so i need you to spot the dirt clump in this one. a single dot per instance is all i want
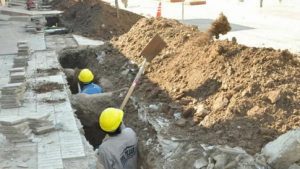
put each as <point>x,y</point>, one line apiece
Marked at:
<point>47,87</point>
<point>235,84</point>
<point>219,26</point>
<point>100,22</point>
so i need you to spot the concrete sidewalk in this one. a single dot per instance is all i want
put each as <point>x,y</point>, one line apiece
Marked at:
<point>61,147</point>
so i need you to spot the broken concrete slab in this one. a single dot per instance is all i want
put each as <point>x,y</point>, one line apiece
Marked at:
<point>83,41</point>
<point>294,166</point>
<point>284,151</point>
<point>181,122</point>
<point>202,162</point>
<point>221,160</point>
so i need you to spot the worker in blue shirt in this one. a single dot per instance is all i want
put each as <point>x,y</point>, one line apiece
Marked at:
<point>86,78</point>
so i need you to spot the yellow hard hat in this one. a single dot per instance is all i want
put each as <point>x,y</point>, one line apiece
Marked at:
<point>85,76</point>
<point>110,119</point>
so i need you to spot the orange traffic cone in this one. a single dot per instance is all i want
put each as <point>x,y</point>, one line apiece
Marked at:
<point>158,13</point>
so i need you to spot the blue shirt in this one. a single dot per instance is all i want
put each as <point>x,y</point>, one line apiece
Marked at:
<point>91,88</point>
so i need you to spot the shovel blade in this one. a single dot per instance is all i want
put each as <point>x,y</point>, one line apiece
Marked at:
<point>153,48</point>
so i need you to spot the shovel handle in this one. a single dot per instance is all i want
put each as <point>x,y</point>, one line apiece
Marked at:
<point>134,83</point>
<point>79,88</point>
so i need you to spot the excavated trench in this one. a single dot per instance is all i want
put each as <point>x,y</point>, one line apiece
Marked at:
<point>72,60</point>
<point>53,21</point>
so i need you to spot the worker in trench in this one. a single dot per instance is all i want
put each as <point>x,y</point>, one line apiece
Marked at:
<point>86,84</point>
<point>119,148</point>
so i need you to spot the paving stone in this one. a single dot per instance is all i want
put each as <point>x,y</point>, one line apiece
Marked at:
<point>11,120</point>
<point>43,129</point>
<point>71,144</point>
<point>58,78</point>
<point>12,95</point>
<point>70,138</point>
<point>18,132</point>
<point>12,85</point>
<point>49,155</point>
<point>17,77</point>
<point>19,69</point>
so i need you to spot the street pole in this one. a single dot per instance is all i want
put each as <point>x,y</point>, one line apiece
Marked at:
<point>117,6</point>
<point>182,14</point>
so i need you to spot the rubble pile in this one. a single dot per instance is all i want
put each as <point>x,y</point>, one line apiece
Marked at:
<point>227,158</point>
<point>236,95</point>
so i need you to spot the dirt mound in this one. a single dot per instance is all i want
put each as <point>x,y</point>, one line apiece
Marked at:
<point>237,95</point>
<point>100,22</point>
<point>63,4</point>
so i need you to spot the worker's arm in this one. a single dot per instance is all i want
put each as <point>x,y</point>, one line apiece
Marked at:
<point>104,159</point>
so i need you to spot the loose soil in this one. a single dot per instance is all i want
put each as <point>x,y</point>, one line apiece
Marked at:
<point>231,94</point>
<point>47,87</point>
<point>48,72</point>
<point>94,18</point>
<point>250,95</point>
<point>54,101</point>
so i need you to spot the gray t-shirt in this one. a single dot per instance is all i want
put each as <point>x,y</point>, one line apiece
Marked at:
<point>119,152</point>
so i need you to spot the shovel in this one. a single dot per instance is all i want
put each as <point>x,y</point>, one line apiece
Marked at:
<point>150,51</point>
